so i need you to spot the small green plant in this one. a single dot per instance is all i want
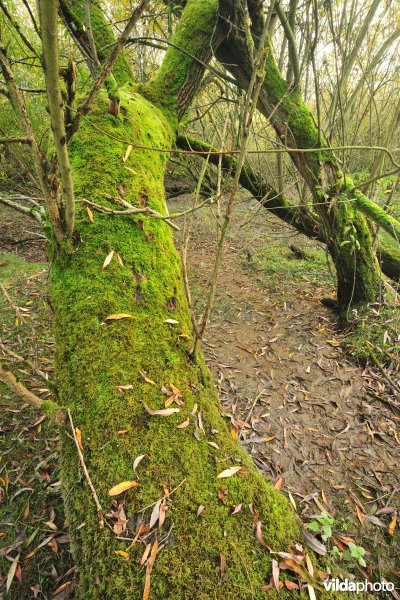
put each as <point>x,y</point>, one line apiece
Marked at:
<point>322,525</point>
<point>356,552</point>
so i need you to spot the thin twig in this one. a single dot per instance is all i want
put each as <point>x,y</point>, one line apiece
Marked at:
<point>130,211</point>
<point>393,384</point>
<point>86,472</point>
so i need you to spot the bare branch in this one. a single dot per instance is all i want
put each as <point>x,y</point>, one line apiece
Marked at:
<point>49,30</point>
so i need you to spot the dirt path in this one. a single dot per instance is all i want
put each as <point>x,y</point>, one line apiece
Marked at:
<point>302,409</point>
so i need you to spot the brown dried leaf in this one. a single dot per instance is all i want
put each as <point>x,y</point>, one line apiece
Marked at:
<point>222,565</point>
<point>149,568</point>
<point>236,509</point>
<point>313,543</point>
<point>200,509</point>
<point>221,495</point>
<point>145,555</point>
<point>278,484</point>
<point>122,487</point>
<point>183,424</point>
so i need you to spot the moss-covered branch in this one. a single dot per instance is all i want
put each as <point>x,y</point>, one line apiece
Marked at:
<point>199,33</point>
<point>374,212</point>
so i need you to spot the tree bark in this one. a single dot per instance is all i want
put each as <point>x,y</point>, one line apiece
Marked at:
<point>95,355</point>
<point>128,324</point>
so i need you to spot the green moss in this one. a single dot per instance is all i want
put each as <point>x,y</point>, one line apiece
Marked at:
<point>94,356</point>
<point>195,32</point>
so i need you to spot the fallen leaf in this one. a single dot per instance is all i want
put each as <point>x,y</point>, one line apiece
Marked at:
<point>122,554</point>
<point>147,379</point>
<point>165,412</point>
<point>275,574</point>
<point>11,572</point>
<point>291,585</point>
<point>119,316</point>
<point>124,387</point>
<point>183,424</point>
<point>214,445</point>
<point>122,431</point>
<point>127,153</point>
<point>78,434</point>
<point>137,461</point>
<point>171,321</point>
<point>229,472</point>
<point>278,484</point>
<point>359,515</point>
<point>222,565</point>
<point>200,509</point>
<point>155,514</point>
<point>121,262</point>
<point>90,214</point>
<point>221,495</point>
<point>313,543</point>
<point>392,526</point>
<point>108,259</point>
<point>122,487</point>
<point>149,568</point>
<point>145,555</point>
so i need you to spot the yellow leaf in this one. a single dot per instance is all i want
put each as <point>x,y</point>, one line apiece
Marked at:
<point>392,526</point>
<point>78,434</point>
<point>147,379</point>
<point>122,431</point>
<point>122,553</point>
<point>90,214</point>
<point>122,487</point>
<point>229,472</point>
<point>333,342</point>
<point>119,316</point>
<point>127,153</point>
<point>131,170</point>
<point>359,515</point>
<point>108,259</point>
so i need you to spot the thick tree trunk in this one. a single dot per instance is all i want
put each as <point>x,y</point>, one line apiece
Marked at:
<point>96,354</point>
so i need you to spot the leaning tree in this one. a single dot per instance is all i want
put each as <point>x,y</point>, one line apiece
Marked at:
<point>121,321</point>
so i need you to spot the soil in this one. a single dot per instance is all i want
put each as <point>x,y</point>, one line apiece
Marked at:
<point>314,422</point>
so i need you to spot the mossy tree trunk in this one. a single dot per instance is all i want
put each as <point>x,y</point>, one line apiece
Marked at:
<point>345,229</point>
<point>95,354</point>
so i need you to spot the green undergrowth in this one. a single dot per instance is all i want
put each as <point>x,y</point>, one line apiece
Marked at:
<point>281,266</point>
<point>97,353</point>
<point>12,268</point>
<point>376,333</point>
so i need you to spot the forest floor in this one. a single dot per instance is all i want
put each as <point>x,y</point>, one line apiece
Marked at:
<point>323,429</point>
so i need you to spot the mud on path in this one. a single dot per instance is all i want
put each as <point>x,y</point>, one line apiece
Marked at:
<point>310,418</point>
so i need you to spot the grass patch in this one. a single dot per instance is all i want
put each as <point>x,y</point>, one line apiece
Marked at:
<point>281,265</point>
